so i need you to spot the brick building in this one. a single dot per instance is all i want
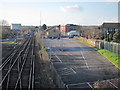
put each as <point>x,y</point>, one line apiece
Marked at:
<point>69,27</point>
<point>109,28</point>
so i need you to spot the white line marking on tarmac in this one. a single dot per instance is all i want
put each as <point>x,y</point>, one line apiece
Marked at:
<point>58,58</point>
<point>73,70</point>
<point>85,60</point>
<point>113,85</point>
<point>90,85</point>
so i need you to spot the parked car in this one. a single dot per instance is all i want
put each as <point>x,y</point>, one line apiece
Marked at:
<point>72,34</point>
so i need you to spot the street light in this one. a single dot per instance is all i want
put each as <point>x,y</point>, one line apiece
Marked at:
<point>107,36</point>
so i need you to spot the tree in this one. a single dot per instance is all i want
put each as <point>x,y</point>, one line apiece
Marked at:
<point>110,37</point>
<point>5,31</point>
<point>44,26</point>
<point>36,27</point>
<point>3,23</point>
<point>116,36</point>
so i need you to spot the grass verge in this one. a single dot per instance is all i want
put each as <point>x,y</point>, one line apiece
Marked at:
<point>44,53</point>
<point>112,57</point>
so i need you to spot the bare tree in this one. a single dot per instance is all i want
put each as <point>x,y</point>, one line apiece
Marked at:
<point>4,29</point>
<point>4,23</point>
<point>90,33</point>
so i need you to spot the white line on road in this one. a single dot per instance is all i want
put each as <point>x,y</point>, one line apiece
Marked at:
<point>85,60</point>
<point>113,85</point>
<point>58,58</point>
<point>90,85</point>
<point>73,70</point>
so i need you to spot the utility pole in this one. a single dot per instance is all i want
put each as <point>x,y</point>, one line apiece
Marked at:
<point>40,27</point>
<point>40,22</point>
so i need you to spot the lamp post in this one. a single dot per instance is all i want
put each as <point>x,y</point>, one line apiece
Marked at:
<point>107,36</point>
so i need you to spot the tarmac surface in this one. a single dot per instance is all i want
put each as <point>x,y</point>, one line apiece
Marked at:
<point>77,63</point>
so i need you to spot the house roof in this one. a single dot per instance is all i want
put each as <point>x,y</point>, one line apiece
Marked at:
<point>49,29</point>
<point>110,25</point>
<point>52,28</point>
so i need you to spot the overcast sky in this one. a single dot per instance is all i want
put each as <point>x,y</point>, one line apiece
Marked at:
<point>27,12</point>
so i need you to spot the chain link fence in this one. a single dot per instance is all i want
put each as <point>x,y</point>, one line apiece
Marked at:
<point>112,47</point>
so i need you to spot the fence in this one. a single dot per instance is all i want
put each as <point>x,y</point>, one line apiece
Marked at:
<point>113,47</point>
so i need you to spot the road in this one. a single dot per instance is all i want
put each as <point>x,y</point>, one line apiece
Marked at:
<point>78,63</point>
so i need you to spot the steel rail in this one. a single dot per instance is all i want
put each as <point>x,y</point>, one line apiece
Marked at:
<point>12,53</point>
<point>10,69</point>
<point>22,67</point>
<point>33,72</point>
<point>33,65</point>
<point>19,71</point>
<point>8,76</point>
<point>12,65</point>
<point>11,56</point>
<point>31,75</point>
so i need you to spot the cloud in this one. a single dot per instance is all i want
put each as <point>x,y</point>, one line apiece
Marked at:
<point>112,0</point>
<point>71,9</point>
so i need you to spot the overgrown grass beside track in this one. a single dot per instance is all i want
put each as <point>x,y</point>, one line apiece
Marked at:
<point>45,70</point>
<point>112,57</point>
<point>44,53</point>
<point>9,42</point>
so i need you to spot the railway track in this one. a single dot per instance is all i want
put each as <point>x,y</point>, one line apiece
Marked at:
<point>18,69</point>
<point>14,48</point>
<point>7,59</point>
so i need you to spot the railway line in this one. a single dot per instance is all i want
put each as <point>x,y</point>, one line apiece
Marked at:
<point>12,48</point>
<point>18,69</point>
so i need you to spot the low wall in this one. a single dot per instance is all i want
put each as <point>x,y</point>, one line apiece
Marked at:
<point>56,78</point>
<point>90,41</point>
<point>54,75</point>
